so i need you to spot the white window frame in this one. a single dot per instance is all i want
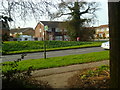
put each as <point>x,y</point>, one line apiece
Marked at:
<point>102,29</point>
<point>40,30</point>
<point>59,38</point>
<point>58,30</point>
<point>107,29</point>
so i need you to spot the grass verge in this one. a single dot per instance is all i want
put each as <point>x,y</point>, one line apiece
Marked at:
<point>60,61</point>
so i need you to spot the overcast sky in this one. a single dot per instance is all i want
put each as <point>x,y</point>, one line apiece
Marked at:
<point>102,17</point>
<point>103,14</point>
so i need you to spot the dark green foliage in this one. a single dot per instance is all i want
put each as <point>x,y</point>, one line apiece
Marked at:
<point>52,44</point>
<point>24,45</point>
<point>14,78</point>
<point>5,37</point>
<point>12,68</point>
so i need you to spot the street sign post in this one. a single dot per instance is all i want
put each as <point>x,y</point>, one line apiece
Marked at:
<point>45,29</point>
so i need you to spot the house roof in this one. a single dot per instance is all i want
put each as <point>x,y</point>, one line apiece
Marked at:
<point>18,30</point>
<point>89,27</point>
<point>52,24</point>
<point>55,24</point>
<point>102,26</point>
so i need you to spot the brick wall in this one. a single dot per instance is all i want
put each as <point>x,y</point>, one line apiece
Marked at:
<point>39,30</point>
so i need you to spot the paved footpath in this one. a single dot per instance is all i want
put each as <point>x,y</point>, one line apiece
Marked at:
<point>45,72</point>
<point>57,77</point>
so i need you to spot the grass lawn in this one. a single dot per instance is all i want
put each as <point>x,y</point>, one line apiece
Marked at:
<point>60,61</point>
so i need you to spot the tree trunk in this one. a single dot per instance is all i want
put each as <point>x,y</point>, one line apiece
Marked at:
<point>114,25</point>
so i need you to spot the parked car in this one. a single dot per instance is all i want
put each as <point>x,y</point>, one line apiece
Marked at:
<point>106,45</point>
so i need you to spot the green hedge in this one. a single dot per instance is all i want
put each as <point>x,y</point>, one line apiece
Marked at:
<point>33,46</point>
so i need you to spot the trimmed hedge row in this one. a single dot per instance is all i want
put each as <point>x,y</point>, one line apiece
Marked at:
<point>31,46</point>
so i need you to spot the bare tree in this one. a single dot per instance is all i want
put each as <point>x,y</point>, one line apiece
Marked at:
<point>25,9</point>
<point>77,14</point>
<point>69,8</point>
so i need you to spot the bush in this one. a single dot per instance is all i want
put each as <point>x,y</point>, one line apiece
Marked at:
<point>14,78</point>
<point>32,46</point>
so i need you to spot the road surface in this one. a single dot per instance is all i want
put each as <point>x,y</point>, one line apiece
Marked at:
<point>52,53</point>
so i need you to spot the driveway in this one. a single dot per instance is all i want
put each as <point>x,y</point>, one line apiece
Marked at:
<point>52,53</point>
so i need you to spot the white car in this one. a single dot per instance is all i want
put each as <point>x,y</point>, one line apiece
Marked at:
<point>106,45</point>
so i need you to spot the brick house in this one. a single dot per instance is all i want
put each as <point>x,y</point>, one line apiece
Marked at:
<point>39,31</point>
<point>4,31</point>
<point>102,32</point>
<point>22,31</point>
<point>22,34</point>
<point>55,32</point>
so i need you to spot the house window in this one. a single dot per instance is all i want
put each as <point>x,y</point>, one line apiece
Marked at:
<point>50,37</point>
<point>107,29</point>
<point>57,30</point>
<point>20,33</point>
<point>53,29</point>
<point>40,30</point>
<point>10,34</point>
<point>15,33</point>
<point>59,38</point>
<point>98,30</point>
<point>102,29</point>
<point>14,39</point>
<point>66,38</point>
<point>107,35</point>
<point>100,35</point>
<point>65,30</point>
<point>49,29</point>
<point>43,33</point>
<point>36,39</point>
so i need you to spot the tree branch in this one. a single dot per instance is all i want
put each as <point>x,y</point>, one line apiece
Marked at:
<point>66,14</point>
<point>59,15</point>
<point>70,8</point>
<point>86,11</point>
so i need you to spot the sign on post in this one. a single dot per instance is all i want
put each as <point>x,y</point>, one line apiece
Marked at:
<point>45,27</point>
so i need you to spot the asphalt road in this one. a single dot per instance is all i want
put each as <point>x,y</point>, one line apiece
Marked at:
<point>51,53</point>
